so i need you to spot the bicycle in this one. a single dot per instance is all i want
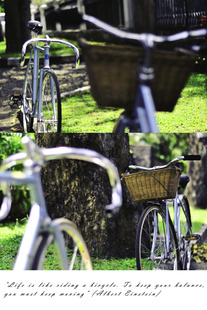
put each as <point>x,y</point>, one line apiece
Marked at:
<point>41,231</point>
<point>127,85</point>
<point>162,243</point>
<point>40,98</point>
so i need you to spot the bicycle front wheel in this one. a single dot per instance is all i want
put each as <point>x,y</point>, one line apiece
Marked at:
<point>155,248</point>
<point>50,256</point>
<point>50,104</point>
<point>27,105</point>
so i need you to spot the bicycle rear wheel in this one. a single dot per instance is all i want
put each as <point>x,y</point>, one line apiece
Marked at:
<point>184,232</point>
<point>51,104</point>
<point>48,256</point>
<point>151,241</point>
<point>27,104</point>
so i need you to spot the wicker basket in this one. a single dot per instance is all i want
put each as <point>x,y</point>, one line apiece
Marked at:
<point>112,71</point>
<point>153,184</point>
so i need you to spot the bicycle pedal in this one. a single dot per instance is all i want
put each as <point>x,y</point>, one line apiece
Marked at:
<point>192,237</point>
<point>15,99</point>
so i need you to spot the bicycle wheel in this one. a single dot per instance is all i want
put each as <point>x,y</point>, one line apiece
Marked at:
<point>51,104</point>
<point>27,104</point>
<point>184,232</point>
<point>124,123</point>
<point>47,255</point>
<point>151,246</point>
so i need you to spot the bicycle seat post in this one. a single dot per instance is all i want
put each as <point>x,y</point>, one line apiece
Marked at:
<point>47,55</point>
<point>144,107</point>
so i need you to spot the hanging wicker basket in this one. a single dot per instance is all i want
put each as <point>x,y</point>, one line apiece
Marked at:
<point>112,71</point>
<point>153,184</point>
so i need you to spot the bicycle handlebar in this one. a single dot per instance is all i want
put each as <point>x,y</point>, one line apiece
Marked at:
<point>180,158</point>
<point>49,40</point>
<point>147,39</point>
<point>36,156</point>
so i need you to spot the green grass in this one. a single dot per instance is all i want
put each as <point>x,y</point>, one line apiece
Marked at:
<point>81,114</point>
<point>11,235</point>
<point>198,217</point>
<point>10,238</point>
<point>190,114</point>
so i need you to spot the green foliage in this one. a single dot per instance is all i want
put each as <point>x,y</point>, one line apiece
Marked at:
<point>9,144</point>
<point>1,6</point>
<point>165,146</point>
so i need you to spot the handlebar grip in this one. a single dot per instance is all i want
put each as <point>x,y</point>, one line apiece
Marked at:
<point>191,157</point>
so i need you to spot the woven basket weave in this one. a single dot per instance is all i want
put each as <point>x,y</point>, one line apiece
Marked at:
<point>153,184</point>
<point>112,71</point>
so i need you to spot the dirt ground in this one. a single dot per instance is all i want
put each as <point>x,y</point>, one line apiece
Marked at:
<point>11,81</point>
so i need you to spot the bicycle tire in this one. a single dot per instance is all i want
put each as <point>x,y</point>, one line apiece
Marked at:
<point>27,105</point>
<point>148,258</point>
<point>45,246</point>
<point>184,231</point>
<point>124,122</point>
<point>51,114</point>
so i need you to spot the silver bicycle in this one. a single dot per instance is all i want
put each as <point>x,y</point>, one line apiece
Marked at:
<point>40,96</point>
<point>42,234</point>
<point>164,231</point>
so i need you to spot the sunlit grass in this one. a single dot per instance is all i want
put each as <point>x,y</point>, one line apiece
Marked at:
<point>81,114</point>
<point>11,235</point>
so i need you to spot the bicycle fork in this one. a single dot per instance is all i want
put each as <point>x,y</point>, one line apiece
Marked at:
<point>155,232</point>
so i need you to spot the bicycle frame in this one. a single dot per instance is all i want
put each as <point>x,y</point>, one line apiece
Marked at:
<point>38,215</point>
<point>37,79</point>
<point>144,103</point>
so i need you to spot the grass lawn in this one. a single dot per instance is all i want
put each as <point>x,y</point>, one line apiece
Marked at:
<point>81,114</point>
<point>11,235</point>
<point>56,49</point>
<point>190,113</point>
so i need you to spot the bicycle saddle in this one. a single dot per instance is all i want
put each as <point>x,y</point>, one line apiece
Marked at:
<point>184,179</point>
<point>34,26</point>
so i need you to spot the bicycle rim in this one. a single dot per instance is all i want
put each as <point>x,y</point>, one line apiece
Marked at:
<point>184,230</point>
<point>47,256</point>
<point>27,101</point>
<point>51,104</point>
<point>151,245</point>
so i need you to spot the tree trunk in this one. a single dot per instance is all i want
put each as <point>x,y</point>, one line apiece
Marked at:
<point>17,14</point>
<point>79,191</point>
<point>197,170</point>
